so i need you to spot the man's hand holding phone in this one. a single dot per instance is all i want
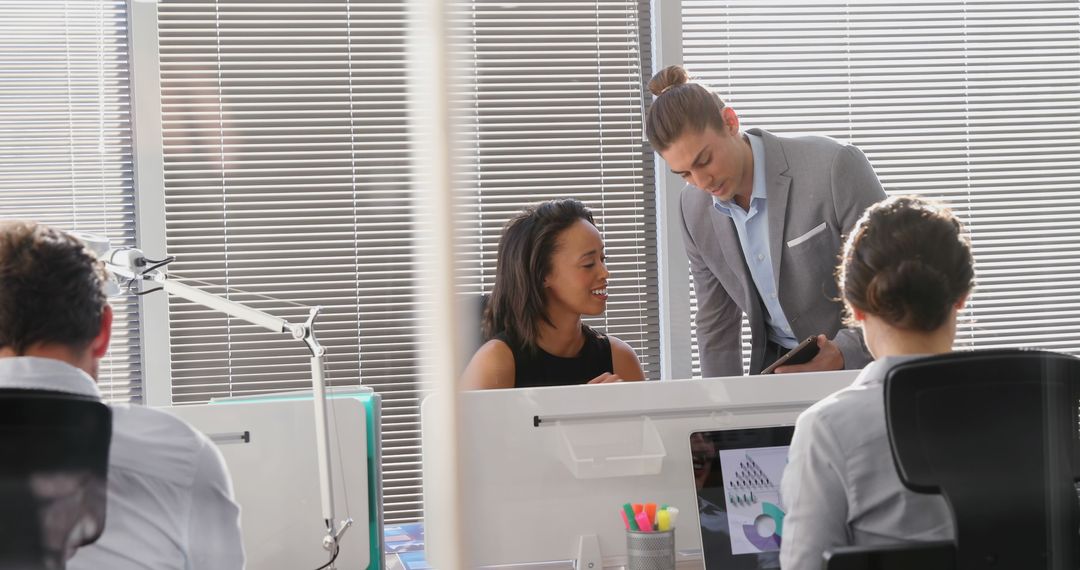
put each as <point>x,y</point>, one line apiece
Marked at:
<point>812,355</point>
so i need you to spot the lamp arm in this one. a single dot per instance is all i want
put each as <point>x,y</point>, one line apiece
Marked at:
<point>231,308</point>
<point>195,295</point>
<point>322,428</point>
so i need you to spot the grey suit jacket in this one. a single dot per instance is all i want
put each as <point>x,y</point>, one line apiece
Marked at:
<point>817,189</point>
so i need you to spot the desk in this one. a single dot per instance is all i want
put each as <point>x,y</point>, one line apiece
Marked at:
<point>412,549</point>
<point>393,563</point>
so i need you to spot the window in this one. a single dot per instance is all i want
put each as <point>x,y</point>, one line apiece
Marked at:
<point>976,103</point>
<point>65,151</point>
<point>553,108</point>
<point>287,177</point>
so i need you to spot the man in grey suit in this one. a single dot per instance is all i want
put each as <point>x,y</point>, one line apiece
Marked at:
<point>763,227</point>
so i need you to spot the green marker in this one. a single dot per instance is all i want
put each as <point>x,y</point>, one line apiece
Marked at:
<point>629,510</point>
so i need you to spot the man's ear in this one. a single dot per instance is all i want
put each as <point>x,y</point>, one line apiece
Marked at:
<point>731,120</point>
<point>100,345</point>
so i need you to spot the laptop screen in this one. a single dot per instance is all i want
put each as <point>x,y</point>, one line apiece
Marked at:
<point>737,477</point>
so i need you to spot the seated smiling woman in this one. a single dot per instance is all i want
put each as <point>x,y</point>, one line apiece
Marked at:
<point>906,272</point>
<point>551,271</point>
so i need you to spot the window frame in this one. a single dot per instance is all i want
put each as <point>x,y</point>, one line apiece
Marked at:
<point>149,192</point>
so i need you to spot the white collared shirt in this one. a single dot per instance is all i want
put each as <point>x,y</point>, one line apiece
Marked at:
<point>170,502</point>
<point>752,227</point>
<point>841,487</point>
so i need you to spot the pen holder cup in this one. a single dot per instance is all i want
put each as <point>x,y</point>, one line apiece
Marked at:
<point>650,550</point>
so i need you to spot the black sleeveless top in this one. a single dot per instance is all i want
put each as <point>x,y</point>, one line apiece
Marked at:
<point>543,369</point>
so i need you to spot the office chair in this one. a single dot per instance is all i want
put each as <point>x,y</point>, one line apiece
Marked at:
<point>473,307</point>
<point>53,476</point>
<point>995,432</point>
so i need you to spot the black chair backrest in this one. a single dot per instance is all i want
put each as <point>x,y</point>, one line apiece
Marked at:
<point>937,555</point>
<point>53,475</point>
<point>995,432</point>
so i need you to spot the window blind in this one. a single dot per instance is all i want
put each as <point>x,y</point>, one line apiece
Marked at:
<point>286,185</point>
<point>65,141</point>
<point>552,108</point>
<point>976,103</point>
<point>287,176</point>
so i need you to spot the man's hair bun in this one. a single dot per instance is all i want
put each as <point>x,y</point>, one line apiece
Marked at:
<point>670,77</point>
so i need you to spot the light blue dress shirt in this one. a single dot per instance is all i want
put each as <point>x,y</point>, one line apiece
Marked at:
<point>753,228</point>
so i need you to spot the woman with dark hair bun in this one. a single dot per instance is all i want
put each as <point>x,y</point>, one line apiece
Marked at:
<point>551,271</point>
<point>906,273</point>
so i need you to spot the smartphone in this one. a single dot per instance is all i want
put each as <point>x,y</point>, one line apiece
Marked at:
<point>802,353</point>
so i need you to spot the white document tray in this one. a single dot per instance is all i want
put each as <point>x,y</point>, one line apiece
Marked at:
<point>623,448</point>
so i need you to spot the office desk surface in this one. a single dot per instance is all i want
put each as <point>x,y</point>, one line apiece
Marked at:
<point>394,563</point>
<point>404,548</point>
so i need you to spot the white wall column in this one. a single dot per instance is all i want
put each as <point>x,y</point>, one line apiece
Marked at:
<point>431,78</point>
<point>673,271</point>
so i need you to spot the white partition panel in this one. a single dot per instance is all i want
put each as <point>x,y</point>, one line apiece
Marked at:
<point>269,448</point>
<point>541,468</point>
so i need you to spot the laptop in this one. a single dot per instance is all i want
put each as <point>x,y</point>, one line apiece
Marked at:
<point>737,478</point>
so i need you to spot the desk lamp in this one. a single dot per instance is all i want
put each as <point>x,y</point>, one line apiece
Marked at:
<point>134,268</point>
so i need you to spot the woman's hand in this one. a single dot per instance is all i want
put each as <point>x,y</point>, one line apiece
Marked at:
<point>606,378</point>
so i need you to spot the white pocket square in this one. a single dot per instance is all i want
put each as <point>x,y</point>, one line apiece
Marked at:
<point>817,230</point>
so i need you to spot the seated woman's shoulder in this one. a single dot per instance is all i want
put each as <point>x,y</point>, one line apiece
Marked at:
<point>492,366</point>
<point>495,348</point>
<point>624,360</point>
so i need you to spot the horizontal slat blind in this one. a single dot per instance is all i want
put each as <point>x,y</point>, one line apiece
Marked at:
<point>65,141</point>
<point>286,175</point>
<point>553,108</point>
<point>976,103</point>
